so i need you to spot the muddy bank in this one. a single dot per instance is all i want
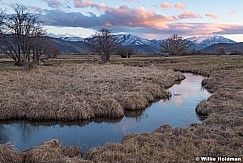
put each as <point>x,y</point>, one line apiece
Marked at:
<point>84,91</point>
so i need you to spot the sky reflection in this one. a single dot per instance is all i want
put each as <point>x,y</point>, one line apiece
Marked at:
<point>179,111</point>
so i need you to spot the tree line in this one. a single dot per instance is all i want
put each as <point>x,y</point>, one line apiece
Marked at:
<point>23,38</point>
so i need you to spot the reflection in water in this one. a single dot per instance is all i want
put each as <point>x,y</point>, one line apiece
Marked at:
<point>3,134</point>
<point>179,111</point>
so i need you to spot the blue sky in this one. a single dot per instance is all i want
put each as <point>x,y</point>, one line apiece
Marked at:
<point>152,19</point>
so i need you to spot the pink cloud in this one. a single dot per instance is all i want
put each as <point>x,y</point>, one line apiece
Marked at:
<point>211,15</point>
<point>204,28</point>
<point>189,15</point>
<point>139,17</point>
<point>180,5</point>
<point>139,20</point>
<point>190,29</point>
<point>232,12</point>
<point>83,4</point>
<point>132,17</point>
<point>115,16</point>
<point>166,5</point>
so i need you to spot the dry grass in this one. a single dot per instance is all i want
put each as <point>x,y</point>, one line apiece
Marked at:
<point>49,151</point>
<point>52,152</point>
<point>73,152</point>
<point>221,133</point>
<point>72,92</point>
<point>204,108</point>
<point>169,145</point>
<point>8,154</point>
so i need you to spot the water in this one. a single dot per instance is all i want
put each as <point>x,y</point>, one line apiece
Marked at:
<point>179,111</point>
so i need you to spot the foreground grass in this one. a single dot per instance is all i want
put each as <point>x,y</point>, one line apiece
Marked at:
<point>221,133</point>
<point>84,91</point>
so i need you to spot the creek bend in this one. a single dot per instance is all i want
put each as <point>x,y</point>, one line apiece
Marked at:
<point>178,111</point>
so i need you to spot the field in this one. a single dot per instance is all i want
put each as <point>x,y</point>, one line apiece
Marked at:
<point>81,91</point>
<point>221,133</point>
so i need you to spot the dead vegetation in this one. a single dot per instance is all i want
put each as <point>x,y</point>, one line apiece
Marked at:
<point>9,154</point>
<point>48,152</point>
<point>170,145</point>
<point>221,133</point>
<point>74,92</point>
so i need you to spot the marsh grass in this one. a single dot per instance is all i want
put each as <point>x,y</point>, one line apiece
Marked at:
<point>49,151</point>
<point>52,151</point>
<point>220,134</point>
<point>83,91</point>
<point>9,154</point>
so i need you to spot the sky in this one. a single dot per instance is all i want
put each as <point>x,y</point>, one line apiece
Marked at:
<point>151,19</point>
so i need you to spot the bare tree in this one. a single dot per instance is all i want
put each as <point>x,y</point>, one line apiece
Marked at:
<point>175,45</point>
<point>2,17</point>
<point>103,43</point>
<point>23,40</point>
<point>220,50</point>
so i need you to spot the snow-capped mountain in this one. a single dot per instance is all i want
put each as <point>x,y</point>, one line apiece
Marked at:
<point>199,42</point>
<point>72,39</point>
<point>138,44</point>
<point>142,45</point>
<point>205,41</point>
<point>131,40</point>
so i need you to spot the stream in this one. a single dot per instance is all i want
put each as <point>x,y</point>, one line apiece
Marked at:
<point>178,111</point>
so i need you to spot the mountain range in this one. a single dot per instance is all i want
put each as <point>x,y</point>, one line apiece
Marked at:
<point>138,44</point>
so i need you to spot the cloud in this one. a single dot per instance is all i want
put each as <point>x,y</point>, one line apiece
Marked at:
<point>180,5</point>
<point>117,16</point>
<point>186,29</point>
<point>83,4</point>
<point>53,3</point>
<point>138,21</point>
<point>189,15</point>
<point>71,19</point>
<point>232,12</point>
<point>203,29</point>
<point>211,15</point>
<point>166,5</point>
<point>139,17</point>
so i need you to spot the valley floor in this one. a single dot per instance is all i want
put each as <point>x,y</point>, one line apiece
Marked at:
<point>220,135</point>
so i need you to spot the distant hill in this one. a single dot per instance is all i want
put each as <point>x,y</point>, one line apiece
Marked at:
<point>69,47</point>
<point>201,42</point>
<point>230,48</point>
<point>138,44</point>
<point>76,45</point>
